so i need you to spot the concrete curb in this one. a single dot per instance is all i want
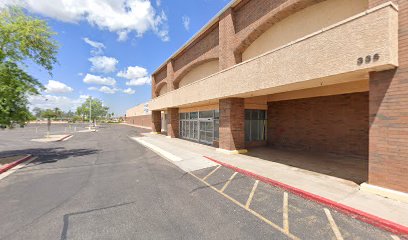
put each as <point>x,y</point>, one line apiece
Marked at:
<point>363,216</point>
<point>15,163</point>
<point>62,139</point>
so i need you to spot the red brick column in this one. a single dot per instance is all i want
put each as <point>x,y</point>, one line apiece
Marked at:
<point>173,122</point>
<point>170,76</point>
<point>388,147</point>
<point>232,124</point>
<point>226,40</point>
<point>156,121</point>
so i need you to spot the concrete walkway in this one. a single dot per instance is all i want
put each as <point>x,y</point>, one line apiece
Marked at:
<point>190,156</point>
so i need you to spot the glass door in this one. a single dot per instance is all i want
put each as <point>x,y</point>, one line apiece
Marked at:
<point>206,131</point>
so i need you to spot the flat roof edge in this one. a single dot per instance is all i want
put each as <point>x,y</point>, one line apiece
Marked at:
<point>207,26</point>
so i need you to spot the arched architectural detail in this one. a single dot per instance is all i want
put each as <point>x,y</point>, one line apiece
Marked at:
<point>161,88</point>
<point>305,16</point>
<point>286,9</point>
<point>189,68</point>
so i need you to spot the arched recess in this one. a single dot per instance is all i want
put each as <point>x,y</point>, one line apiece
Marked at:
<point>196,71</point>
<point>161,88</point>
<point>295,21</point>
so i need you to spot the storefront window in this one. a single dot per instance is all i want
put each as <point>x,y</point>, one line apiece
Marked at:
<point>207,114</point>
<point>255,125</point>
<point>193,115</point>
<point>200,126</point>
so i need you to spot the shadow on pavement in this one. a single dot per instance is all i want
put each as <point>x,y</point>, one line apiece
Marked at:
<point>50,155</point>
<point>67,216</point>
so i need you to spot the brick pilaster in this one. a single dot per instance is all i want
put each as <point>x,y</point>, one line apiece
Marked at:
<point>232,120</point>
<point>226,39</point>
<point>156,121</point>
<point>388,147</point>
<point>170,76</point>
<point>153,87</point>
<point>173,122</point>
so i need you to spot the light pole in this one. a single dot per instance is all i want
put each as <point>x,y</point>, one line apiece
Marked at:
<point>90,111</point>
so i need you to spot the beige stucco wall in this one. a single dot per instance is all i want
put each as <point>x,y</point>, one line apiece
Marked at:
<point>163,90</point>
<point>324,58</point>
<point>200,108</point>
<point>141,109</point>
<point>199,72</point>
<point>303,23</point>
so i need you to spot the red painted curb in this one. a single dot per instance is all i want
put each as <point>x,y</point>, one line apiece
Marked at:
<point>363,216</point>
<point>62,139</point>
<point>15,163</point>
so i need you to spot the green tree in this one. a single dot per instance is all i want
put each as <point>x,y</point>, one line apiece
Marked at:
<point>58,113</point>
<point>49,114</point>
<point>15,84</point>
<point>22,38</point>
<point>98,111</point>
<point>37,112</point>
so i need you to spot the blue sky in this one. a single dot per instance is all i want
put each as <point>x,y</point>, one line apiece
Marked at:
<point>154,30</point>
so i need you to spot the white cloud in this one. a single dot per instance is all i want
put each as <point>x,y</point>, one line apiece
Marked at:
<point>122,36</point>
<point>136,75</point>
<point>92,79</point>
<point>137,16</point>
<point>133,73</point>
<point>186,22</point>
<point>158,3</point>
<point>129,91</point>
<point>57,87</point>
<point>103,64</point>
<point>104,89</point>
<point>52,101</point>
<point>97,46</point>
<point>139,81</point>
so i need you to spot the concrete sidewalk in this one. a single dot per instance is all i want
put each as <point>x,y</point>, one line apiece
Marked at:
<point>190,156</point>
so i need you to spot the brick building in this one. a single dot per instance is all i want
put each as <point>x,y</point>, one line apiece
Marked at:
<point>312,75</point>
<point>139,115</point>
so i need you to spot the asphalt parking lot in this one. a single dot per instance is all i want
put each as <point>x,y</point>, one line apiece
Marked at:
<point>103,185</point>
<point>19,138</point>
<point>294,216</point>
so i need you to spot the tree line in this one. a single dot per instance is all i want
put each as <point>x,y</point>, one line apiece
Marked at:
<point>98,112</point>
<point>24,39</point>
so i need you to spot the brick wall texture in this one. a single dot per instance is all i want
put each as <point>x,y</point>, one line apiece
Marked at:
<point>387,100</point>
<point>236,29</point>
<point>336,124</point>
<point>156,121</point>
<point>232,116</point>
<point>173,122</point>
<point>388,160</point>
<point>143,120</point>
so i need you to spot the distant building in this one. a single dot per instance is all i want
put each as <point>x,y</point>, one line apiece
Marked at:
<point>139,115</point>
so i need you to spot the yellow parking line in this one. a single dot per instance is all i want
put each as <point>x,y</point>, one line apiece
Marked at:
<point>333,224</point>
<point>213,171</point>
<point>285,212</point>
<point>251,195</point>
<point>394,237</point>
<point>228,182</point>
<point>248,209</point>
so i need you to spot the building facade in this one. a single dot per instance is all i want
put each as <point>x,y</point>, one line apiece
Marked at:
<point>139,115</point>
<point>312,75</point>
